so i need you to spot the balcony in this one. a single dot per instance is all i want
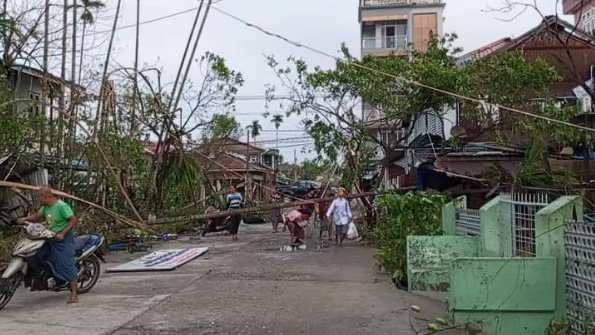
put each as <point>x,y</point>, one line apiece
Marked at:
<point>388,3</point>
<point>384,44</point>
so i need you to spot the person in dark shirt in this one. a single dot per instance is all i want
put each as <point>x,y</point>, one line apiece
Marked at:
<point>276,216</point>
<point>325,223</point>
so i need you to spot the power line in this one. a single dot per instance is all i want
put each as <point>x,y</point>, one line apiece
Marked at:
<point>295,145</point>
<point>288,139</point>
<point>409,81</point>
<point>157,19</point>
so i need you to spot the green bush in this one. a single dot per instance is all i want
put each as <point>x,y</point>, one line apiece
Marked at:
<point>8,238</point>
<point>401,216</point>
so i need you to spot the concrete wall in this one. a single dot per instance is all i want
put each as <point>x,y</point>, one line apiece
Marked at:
<point>429,260</point>
<point>511,296</point>
<point>486,285</point>
<point>496,229</point>
<point>549,239</point>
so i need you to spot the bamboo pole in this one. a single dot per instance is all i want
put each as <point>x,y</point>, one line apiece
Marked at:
<point>164,221</point>
<point>21,186</point>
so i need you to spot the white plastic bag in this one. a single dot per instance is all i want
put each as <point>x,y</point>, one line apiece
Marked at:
<point>352,233</point>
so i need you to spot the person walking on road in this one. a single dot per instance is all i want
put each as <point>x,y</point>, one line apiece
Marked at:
<point>325,222</point>
<point>276,215</point>
<point>235,201</point>
<point>340,212</point>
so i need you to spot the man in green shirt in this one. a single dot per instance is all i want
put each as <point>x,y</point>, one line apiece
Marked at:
<point>60,252</point>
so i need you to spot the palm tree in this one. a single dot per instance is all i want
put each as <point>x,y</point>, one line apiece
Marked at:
<point>255,128</point>
<point>277,120</point>
<point>87,17</point>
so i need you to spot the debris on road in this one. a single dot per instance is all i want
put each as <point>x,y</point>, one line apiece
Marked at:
<point>162,260</point>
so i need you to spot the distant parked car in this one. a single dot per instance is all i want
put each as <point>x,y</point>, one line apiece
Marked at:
<point>301,187</point>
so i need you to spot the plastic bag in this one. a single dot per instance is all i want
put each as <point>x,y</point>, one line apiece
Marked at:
<point>352,233</point>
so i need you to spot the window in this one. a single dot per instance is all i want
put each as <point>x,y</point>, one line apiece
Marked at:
<point>394,34</point>
<point>588,20</point>
<point>369,36</point>
<point>35,106</point>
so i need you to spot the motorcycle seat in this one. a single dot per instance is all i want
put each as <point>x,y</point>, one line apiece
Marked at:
<point>86,242</point>
<point>81,241</point>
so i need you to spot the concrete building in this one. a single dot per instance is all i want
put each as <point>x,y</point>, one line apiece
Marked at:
<point>395,28</point>
<point>392,26</point>
<point>583,12</point>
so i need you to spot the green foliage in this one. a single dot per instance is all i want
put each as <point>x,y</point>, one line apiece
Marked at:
<point>277,120</point>
<point>8,239</point>
<point>328,100</point>
<point>401,216</point>
<point>310,170</point>
<point>558,327</point>
<point>221,126</point>
<point>254,128</point>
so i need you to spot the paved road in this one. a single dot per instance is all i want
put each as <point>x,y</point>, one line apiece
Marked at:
<point>247,287</point>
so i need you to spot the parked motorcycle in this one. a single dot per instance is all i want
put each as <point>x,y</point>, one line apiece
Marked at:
<point>215,225</point>
<point>25,268</point>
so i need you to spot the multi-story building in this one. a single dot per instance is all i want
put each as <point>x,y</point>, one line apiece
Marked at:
<point>583,12</point>
<point>395,27</point>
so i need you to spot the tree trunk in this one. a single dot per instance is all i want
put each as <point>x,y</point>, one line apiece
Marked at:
<point>45,89</point>
<point>72,109</point>
<point>82,52</point>
<point>61,102</point>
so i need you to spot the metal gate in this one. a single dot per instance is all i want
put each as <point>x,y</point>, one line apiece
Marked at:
<point>579,241</point>
<point>522,209</point>
<point>468,222</point>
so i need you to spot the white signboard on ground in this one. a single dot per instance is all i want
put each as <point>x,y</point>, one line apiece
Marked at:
<point>162,260</point>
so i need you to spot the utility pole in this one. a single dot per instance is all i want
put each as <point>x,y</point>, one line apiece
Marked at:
<point>61,102</point>
<point>135,89</point>
<point>294,165</point>
<point>246,177</point>
<point>73,89</point>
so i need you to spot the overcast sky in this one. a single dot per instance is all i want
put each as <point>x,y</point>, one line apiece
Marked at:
<point>322,24</point>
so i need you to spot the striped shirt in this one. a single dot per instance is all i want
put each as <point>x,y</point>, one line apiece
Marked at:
<point>234,201</point>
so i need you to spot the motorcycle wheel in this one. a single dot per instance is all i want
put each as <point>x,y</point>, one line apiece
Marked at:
<point>6,292</point>
<point>89,274</point>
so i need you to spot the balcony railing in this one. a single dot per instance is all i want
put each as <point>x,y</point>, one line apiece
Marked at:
<point>376,3</point>
<point>389,42</point>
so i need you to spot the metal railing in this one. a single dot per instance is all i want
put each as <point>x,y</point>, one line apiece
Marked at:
<point>468,222</point>
<point>522,209</point>
<point>579,239</point>
<point>375,3</point>
<point>389,42</point>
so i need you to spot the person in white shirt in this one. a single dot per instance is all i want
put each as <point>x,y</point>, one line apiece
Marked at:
<point>340,212</point>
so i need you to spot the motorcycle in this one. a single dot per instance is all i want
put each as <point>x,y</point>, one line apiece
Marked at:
<point>216,225</point>
<point>25,267</point>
